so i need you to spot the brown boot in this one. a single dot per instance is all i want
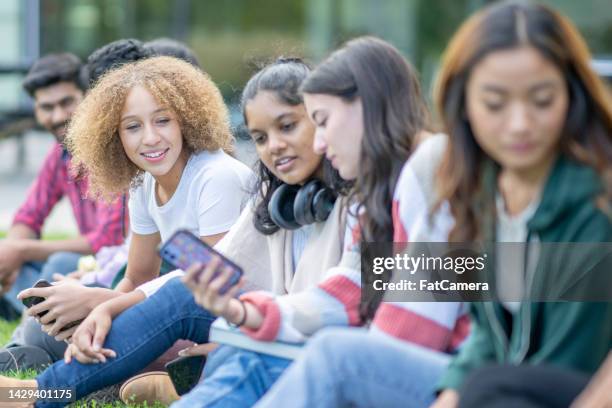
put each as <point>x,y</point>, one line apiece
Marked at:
<point>148,387</point>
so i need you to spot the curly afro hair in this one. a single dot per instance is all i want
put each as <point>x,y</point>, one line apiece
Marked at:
<point>93,135</point>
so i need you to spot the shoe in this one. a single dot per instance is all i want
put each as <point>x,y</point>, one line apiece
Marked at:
<point>148,387</point>
<point>24,358</point>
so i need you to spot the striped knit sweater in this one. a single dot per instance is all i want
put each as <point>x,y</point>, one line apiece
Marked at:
<point>439,326</point>
<point>335,300</point>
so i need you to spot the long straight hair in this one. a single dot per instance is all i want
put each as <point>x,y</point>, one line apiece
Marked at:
<point>587,131</point>
<point>393,113</point>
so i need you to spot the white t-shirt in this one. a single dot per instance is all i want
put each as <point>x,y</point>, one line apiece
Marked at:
<point>208,200</point>
<point>510,269</point>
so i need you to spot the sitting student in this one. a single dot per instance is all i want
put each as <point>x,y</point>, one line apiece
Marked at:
<point>113,55</point>
<point>513,89</point>
<point>366,105</point>
<point>169,152</point>
<point>53,82</point>
<point>30,345</point>
<point>536,110</point>
<point>171,48</point>
<point>273,256</point>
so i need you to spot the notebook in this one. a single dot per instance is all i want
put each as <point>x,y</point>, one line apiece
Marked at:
<point>222,333</point>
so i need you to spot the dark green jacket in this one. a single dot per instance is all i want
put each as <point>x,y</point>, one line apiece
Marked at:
<point>575,335</point>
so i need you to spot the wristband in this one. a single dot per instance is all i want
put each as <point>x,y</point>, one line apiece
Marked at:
<point>244,316</point>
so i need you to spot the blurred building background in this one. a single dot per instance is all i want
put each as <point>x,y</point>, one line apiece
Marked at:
<point>230,37</point>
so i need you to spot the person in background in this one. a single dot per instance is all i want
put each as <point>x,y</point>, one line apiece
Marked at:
<point>172,48</point>
<point>110,56</point>
<point>54,84</point>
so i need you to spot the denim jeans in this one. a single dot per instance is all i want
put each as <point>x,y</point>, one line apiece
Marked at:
<point>60,262</point>
<point>138,335</point>
<point>234,377</point>
<point>351,367</point>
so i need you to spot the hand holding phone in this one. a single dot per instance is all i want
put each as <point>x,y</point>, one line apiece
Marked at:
<point>34,300</point>
<point>184,249</point>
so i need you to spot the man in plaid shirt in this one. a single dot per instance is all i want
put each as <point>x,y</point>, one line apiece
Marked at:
<point>54,83</point>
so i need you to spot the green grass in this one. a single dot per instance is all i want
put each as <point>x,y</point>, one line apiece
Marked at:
<point>6,328</point>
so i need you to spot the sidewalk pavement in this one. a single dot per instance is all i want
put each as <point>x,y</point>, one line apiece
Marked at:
<point>14,182</point>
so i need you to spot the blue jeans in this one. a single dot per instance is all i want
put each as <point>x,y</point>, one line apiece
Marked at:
<point>138,335</point>
<point>351,367</point>
<point>60,262</point>
<point>234,377</point>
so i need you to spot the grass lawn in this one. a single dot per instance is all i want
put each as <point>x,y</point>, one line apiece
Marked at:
<point>6,328</point>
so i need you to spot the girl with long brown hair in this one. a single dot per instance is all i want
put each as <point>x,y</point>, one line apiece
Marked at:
<point>530,126</point>
<point>527,160</point>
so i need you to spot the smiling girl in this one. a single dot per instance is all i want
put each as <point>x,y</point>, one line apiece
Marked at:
<point>160,127</point>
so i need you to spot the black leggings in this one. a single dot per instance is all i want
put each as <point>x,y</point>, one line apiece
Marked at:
<point>521,386</point>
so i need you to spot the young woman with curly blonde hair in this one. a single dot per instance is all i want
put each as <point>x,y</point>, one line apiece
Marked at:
<point>158,128</point>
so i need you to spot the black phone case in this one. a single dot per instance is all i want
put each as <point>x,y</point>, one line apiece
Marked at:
<point>183,249</point>
<point>185,372</point>
<point>34,300</point>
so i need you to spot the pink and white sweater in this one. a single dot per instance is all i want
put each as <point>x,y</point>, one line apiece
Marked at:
<point>335,300</point>
<point>437,325</point>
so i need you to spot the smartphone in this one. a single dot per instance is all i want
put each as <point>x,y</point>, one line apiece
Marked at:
<point>185,372</point>
<point>34,300</point>
<point>183,249</point>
